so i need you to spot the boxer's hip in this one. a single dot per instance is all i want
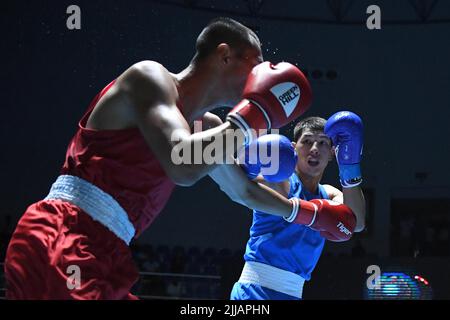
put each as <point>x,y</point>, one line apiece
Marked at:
<point>260,275</point>
<point>99,205</point>
<point>55,236</point>
<point>47,223</point>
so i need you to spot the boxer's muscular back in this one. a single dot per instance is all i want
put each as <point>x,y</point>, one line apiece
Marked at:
<point>142,85</point>
<point>145,96</point>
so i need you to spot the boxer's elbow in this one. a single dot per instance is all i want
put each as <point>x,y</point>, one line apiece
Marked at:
<point>183,181</point>
<point>238,193</point>
<point>238,198</point>
<point>248,195</point>
<point>360,220</point>
<point>185,175</point>
<point>360,225</point>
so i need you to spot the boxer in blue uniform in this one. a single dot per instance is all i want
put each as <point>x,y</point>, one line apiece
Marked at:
<point>280,256</point>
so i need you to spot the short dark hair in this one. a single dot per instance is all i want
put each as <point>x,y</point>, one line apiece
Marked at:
<point>224,30</point>
<point>316,124</point>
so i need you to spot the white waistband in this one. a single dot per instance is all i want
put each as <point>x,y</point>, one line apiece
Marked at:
<point>95,202</point>
<point>272,278</point>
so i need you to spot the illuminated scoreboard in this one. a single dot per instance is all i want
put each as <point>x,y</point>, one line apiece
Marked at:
<point>400,286</point>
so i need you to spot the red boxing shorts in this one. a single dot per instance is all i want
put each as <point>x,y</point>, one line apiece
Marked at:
<point>55,242</point>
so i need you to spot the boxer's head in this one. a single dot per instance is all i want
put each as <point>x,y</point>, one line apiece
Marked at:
<point>230,50</point>
<point>313,146</point>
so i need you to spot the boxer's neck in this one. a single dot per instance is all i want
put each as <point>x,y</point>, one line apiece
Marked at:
<point>309,183</point>
<point>197,91</point>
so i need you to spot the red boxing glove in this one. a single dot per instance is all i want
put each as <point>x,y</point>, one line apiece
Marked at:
<point>274,95</point>
<point>335,221</point>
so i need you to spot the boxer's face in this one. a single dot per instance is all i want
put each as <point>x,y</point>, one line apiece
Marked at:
<point>239,67</point>
<point>314,152</point>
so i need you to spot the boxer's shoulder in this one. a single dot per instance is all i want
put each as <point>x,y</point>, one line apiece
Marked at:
<point>149,80</point>
<point>333,193</point>
<point>147,69</point>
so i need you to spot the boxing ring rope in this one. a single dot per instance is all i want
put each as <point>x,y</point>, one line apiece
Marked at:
<point>184,275</point>
<point>167,275</point>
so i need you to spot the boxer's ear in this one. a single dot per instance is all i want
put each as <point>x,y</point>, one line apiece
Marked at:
<point>332,154</point>
<point>224,52</point>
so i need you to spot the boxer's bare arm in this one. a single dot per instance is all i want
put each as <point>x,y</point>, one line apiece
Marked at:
<point>257,194</point>
<point>280,187</point>
<point>352,197</point>
<point>234,182</point>
<point>145,96</point>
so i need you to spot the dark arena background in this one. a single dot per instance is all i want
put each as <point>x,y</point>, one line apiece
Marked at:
<point>397,78</point>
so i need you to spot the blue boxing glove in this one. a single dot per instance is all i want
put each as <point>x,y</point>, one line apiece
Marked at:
<point>345,129</point>
<point>272,156</point>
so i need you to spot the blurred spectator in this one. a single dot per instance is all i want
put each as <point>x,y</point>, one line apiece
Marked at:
<point>178,261</point>
<point>175,288</point>
<point>211,269</point>
<point>193,253</point>
<point>202,291</point>
<point>150,265</point>
<point>421,236</point>
<point>193,268</point>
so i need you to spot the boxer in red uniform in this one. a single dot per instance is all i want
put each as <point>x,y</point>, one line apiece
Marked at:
<point>118,173</point>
